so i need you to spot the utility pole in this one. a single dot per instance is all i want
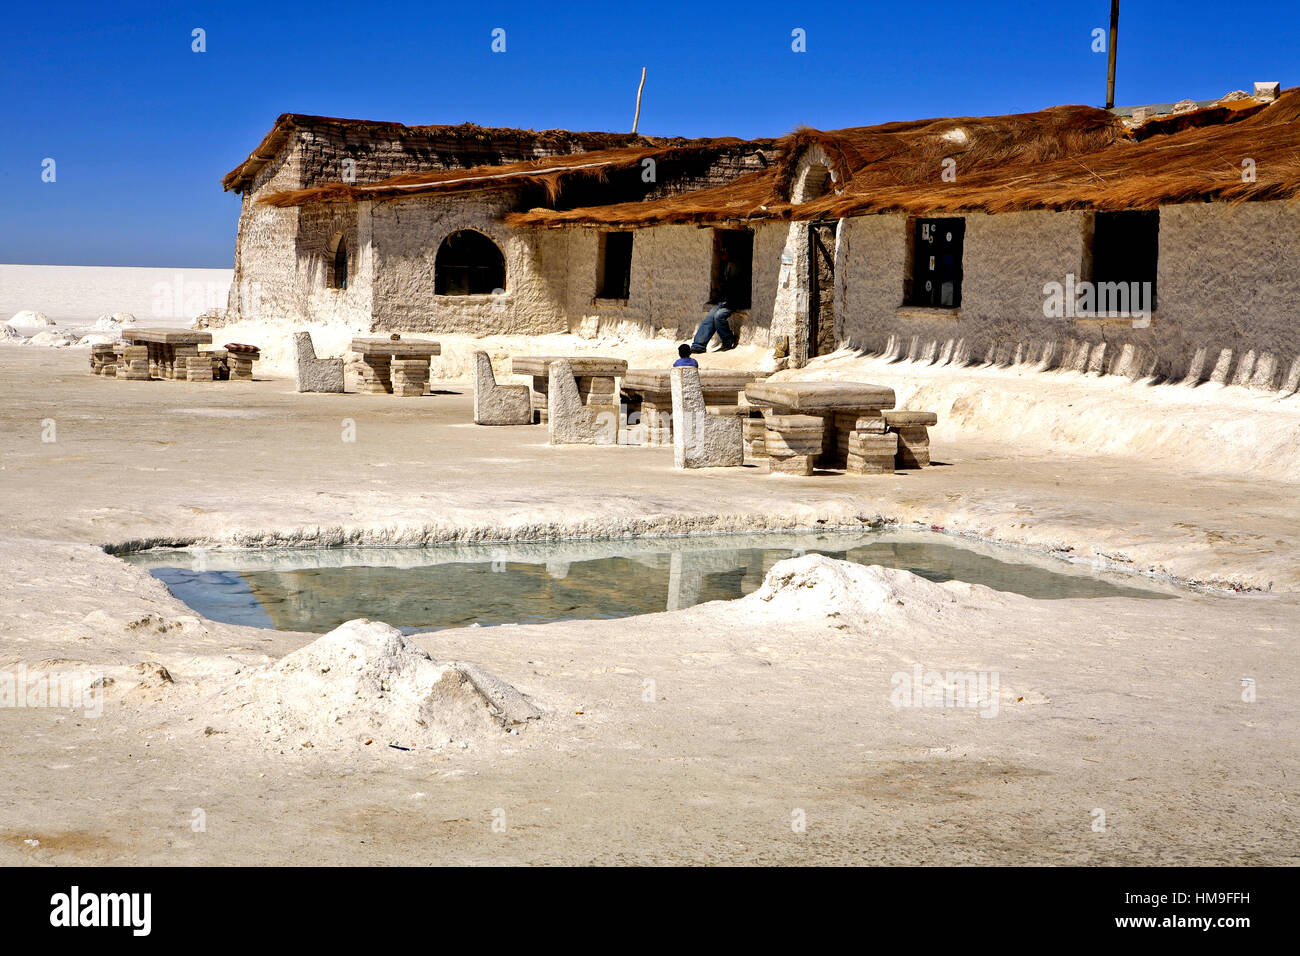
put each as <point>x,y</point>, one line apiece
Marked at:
<point>637,119</point>
<point>1110,69</point>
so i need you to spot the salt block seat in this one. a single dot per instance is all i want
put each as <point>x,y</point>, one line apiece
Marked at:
<point>568,420</point>
<point>702,439</point>
<point>913,433</point>
<point>871,453</point>
<point>895,418</point>
<point>410,377</point>
<point>793,442</point>
<point>499,404</point>
<point>312,374</point>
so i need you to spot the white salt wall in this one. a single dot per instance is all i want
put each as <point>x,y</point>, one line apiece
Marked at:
<point>1230,277</point>
<point>75,296</point>
<point>669,289</point>
<point>406,236</point>
<point>1227,294</point>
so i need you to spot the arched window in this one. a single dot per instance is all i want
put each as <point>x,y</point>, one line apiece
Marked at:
<point>814,179</point>
<point>340,273</point>
<point>336,262</point>
<point>468,263</point>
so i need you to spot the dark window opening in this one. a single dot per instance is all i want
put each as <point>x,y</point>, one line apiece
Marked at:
<point>1123,248</point>
<point>614,265</point>
<point>732,276</point>
<point>468,263</point>
<point>933,277</point>
<point>339,275</point>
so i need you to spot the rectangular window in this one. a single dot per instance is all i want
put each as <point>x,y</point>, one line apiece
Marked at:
<point>614,265</point>
<point>732,276</point>
<point>933,277</point>
<point>1121,253</point>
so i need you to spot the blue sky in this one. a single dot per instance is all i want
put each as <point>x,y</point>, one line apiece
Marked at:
<point>141,128</point>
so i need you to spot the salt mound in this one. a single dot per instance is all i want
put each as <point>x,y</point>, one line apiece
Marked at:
<point>111,321</point>
<point>817,585</point>
<point>52,339</point>
<point>365,683</point>
<point>9,333</point>
<point>29,318</point>
<point>100,338</point>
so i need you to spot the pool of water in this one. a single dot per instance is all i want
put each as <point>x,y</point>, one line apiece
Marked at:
<point>425,589</point>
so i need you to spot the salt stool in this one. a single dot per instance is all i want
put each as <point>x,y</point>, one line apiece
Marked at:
<point>410,377</point>
<point>912,429</point>
<point>241,358</point>
<point>793,443</point>
<point>198,368</point>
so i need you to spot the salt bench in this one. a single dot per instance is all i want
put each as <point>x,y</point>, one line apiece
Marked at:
<point>571,421</point>
<point>594,376</point>
<point>650,390</point>
<point>702,438</point>
<point>912,429</point>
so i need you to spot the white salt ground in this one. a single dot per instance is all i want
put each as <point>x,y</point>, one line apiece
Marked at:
<point>680,737</point>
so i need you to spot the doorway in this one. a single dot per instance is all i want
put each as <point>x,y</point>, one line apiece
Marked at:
<point>821,288</point>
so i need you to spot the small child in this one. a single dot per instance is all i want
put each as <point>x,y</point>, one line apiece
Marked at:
<point>684,357</point>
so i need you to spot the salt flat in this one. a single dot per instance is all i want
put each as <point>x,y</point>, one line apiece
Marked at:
<point>759,709</point>
<point>74,296</point>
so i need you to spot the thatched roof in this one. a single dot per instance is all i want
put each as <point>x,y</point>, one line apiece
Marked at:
<point>1061,158</point>
<point>1064,157</point>
<point>465,138</point>
<point>550,172</point>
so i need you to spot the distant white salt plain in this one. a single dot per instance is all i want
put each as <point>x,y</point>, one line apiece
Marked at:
<point>75,297</point>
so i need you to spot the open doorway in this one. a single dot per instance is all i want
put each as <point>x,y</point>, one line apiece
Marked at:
<point>821,288</point>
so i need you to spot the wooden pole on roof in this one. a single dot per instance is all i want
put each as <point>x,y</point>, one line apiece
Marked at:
<point>1110,67</point>
<point>637,119</point>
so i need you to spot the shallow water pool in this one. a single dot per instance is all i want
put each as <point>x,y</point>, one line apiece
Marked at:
<point>424,589</point>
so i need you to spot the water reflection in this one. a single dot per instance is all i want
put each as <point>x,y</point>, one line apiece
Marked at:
<point>419,589</point>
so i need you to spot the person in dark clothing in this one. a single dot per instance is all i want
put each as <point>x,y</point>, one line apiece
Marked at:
<point>719,318</point>
<point>684,357</point>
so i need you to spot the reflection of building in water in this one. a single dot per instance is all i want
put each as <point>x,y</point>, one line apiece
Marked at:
<point>457,594</point>
<point>531,586</point>
<point>695,576</point>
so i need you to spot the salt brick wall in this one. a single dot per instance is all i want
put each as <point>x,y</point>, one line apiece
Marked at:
<point>1230,279</point>
<point>1227,279</point>
<point>265,279</point>
<point>281,264</point>
<point>407,234</point>
<point>669,288</point>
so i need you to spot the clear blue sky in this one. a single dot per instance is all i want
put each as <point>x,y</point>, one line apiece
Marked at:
<point>142,128</point>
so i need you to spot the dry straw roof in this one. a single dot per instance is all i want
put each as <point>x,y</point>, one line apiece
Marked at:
<point>465,135</point>
<point>1067,157</point>
<point>550,172</point>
